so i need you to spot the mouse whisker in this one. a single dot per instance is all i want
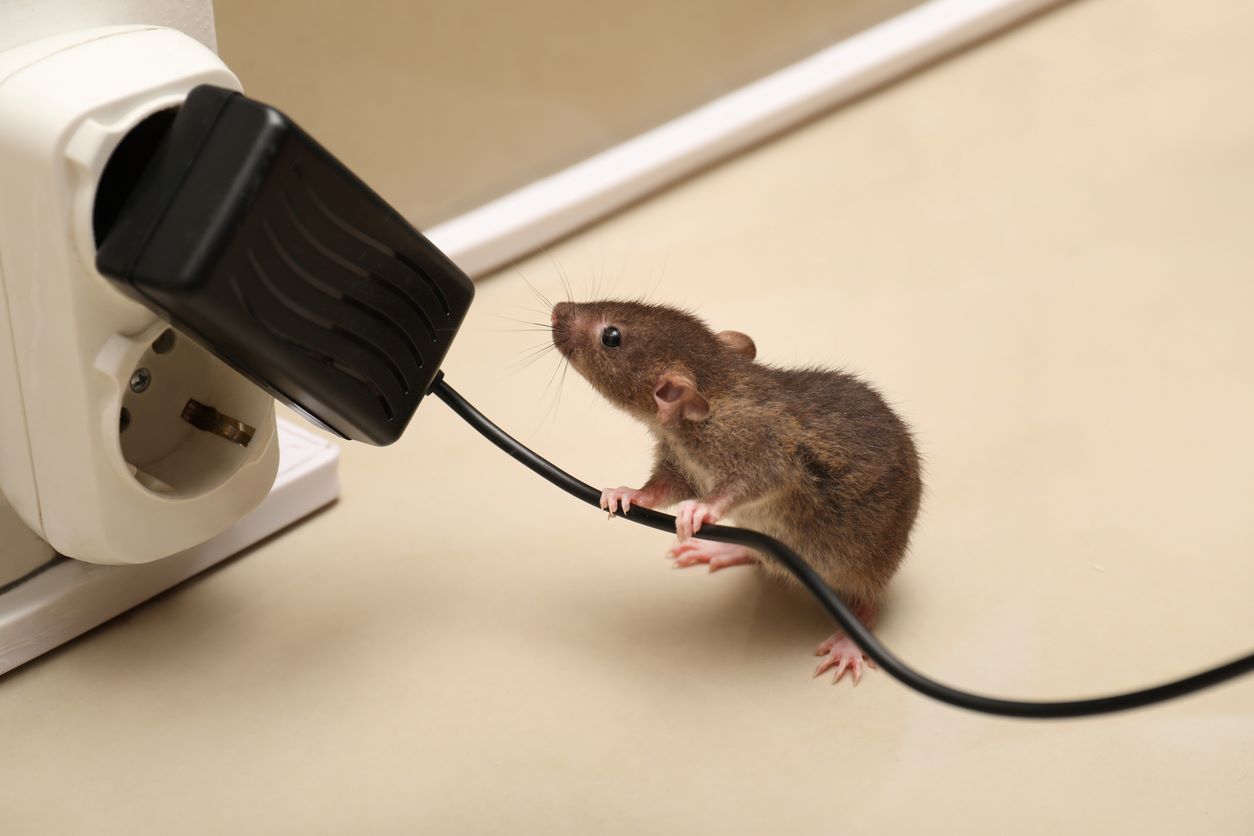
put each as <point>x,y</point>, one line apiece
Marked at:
<point>561,384</point>
<point>552,377</point>
<point>530,311</point>
<point>540,297</point>
<point>538,350</point>
<point>597,274</point>
<point>542,326</point>
<point>551,413</point>
<point>561,275</point>
<point>622,270</point>
<point>661,273</point>
<point>547,326</point>
<point>611,284</point>
<point>527,362</point>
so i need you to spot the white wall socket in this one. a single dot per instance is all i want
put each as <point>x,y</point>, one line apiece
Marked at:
<point>94,456</point>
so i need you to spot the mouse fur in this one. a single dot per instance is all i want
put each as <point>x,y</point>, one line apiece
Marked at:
<point>814,457</point>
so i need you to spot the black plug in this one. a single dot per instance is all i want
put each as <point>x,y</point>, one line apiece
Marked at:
<point>252,239</point>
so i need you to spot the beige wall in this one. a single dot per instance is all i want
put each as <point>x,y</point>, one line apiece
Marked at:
<point>442,106</point>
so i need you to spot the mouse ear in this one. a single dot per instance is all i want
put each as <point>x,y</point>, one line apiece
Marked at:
<point>739,342</point>
<point>677,399</point>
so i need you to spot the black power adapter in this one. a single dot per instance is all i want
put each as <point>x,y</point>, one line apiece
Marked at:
<point>249,237</point>
<point>229,221</point>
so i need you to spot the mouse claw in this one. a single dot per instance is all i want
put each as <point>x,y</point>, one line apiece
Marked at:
<point>841,667</point>
<point>855,671</point>
<point>691,515</point>
<point>841,656</point>
<point>612,499</point>
<point>826,646</point>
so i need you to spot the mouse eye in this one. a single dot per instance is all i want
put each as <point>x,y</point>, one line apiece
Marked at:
<point>611,337</point>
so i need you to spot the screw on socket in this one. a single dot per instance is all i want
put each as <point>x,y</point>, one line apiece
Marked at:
<point>207,418</point>
<point>141,380</point>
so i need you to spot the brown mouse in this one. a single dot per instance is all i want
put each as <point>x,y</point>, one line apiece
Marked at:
<point>812,457</point>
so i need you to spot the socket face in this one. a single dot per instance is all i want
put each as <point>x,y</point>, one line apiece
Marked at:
<point>167,452</point>
<point>72,346</point>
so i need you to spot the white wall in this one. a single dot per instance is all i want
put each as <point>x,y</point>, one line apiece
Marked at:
<point>28,20</point>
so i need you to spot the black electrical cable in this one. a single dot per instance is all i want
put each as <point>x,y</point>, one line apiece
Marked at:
<point>831,602</point>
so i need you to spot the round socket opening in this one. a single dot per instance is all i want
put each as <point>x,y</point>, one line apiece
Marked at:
<point>122,172</point>
<point>188,421</point>
<point>165,342</point>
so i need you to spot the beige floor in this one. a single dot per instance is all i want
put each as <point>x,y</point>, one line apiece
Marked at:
<point>1041,251</point>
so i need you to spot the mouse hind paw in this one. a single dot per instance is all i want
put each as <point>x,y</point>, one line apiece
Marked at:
<point>717,555</point>
<point>843,656</point>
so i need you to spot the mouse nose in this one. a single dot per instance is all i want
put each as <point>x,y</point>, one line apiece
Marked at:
<point>562,337</point>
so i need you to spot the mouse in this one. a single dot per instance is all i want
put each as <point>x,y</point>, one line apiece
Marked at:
<point>814,457</point>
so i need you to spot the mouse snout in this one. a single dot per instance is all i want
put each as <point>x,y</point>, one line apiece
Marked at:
<point>562,312</point>
<point>563,319</point>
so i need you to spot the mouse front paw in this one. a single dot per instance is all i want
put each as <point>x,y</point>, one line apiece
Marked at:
<point>691,515</point>
<point>622,497</point>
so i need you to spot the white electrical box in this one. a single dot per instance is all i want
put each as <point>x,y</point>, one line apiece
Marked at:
<point>99,462</point>
<point>94,383</point>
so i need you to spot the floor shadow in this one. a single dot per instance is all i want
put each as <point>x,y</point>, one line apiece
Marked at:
<point>760,615</point>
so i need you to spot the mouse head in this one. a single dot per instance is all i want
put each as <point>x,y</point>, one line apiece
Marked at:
<point>656,362</point>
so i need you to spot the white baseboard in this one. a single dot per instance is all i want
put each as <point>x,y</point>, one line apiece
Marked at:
<point>531,217</point>
<point>67,597</point>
